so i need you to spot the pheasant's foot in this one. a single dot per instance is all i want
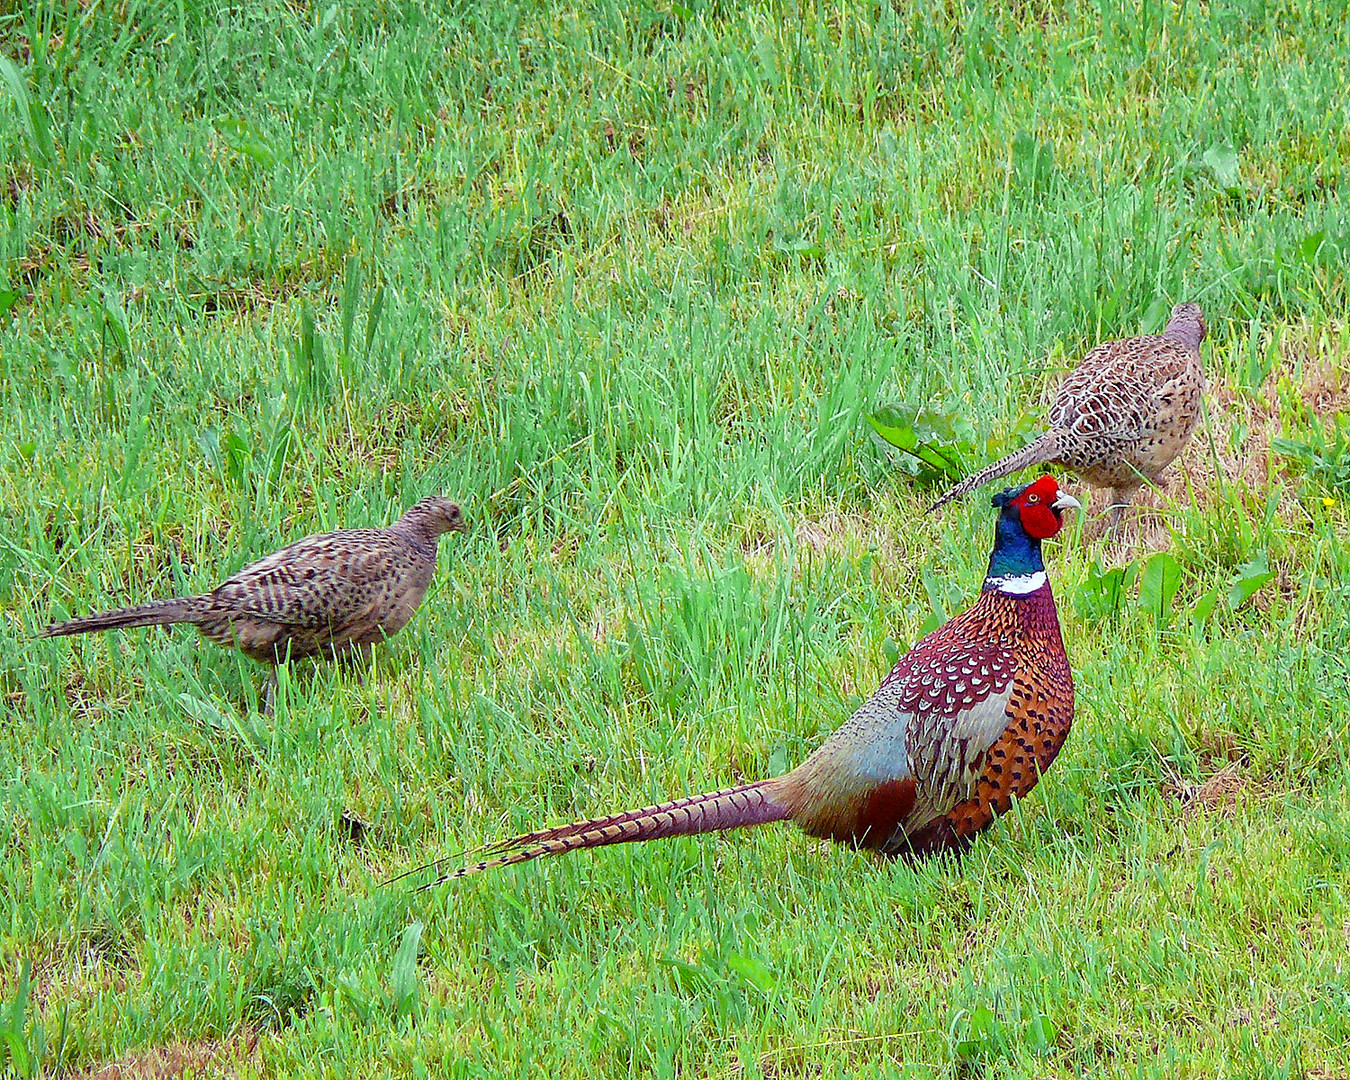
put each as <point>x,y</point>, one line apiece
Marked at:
<point>1119,502</point>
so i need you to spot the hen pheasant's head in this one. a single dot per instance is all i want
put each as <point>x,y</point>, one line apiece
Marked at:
<point>436,515</point>
<point>1187,324</point>
<point>1038,508</point>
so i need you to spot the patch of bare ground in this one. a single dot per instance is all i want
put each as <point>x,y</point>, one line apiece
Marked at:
<point>17,183</point>
<point>835,533</point>
<point>1219,793</point>
<point>243,300</point>
<point>1268,1017</point>
<point>203,1059</point>
<point>788,1062</point>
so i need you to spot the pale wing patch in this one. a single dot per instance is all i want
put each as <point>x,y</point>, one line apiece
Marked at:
<point>948,752</point>
<point>873,741</point>
<point>865,752</point>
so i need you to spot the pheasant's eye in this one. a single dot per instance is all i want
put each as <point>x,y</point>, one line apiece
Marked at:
<point>1033,498</point>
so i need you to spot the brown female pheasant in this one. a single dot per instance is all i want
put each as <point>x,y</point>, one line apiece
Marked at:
<point>323,595</point>
<point>1121,416</point>
<point>966,720</point>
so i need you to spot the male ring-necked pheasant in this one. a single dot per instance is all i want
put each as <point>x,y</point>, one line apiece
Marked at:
<point>966,720</point>
<point>1121,416</point>
<point>324,595</point>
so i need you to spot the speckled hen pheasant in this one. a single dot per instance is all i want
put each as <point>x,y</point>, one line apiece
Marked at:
<point>966,720</point>
<point>323,595</point>
<point>1121,416</point>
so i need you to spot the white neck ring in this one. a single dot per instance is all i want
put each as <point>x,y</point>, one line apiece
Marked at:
<point>1019,584</point>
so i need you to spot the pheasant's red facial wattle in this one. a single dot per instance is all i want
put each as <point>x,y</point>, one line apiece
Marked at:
<point>1036,508</point>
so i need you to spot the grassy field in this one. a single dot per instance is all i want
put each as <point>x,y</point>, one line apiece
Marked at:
<point>628,280</point>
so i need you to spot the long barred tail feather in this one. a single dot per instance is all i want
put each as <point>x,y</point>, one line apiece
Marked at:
<point>1040,450</point>
<point>157,613</point>
<point>715,811</point>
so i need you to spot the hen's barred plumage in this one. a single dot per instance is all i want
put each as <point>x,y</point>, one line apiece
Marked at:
<point>1121,416</point>
<point>321,596</point>
<point>965,722</point>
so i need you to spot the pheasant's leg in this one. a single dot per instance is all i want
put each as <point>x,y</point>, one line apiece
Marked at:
<point>1120,499</point>
<point>270,691</point>
<point>1105,524</point>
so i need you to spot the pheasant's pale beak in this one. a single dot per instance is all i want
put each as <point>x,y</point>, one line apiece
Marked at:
<point>1065,502</point>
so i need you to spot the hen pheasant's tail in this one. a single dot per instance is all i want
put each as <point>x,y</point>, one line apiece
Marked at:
<point>1040,450</point>
<point>158,613</point>
<point>749,804</point>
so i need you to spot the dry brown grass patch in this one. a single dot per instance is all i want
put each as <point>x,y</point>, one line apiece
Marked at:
<point>1220,792</point>
<point>834,533</point>
<point>204,1058</point>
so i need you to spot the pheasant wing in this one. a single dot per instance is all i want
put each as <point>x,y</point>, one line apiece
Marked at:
<point>316,582</point>
<point>913,749</point>
<point>1111,394</point>
<point>956,692</point>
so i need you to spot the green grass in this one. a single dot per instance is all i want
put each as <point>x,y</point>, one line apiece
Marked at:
<point>627,281</point>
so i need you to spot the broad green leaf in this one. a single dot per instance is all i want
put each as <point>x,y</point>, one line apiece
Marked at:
<point>689,977</point>
<point>1248,580</point>
<point>1222,160</point>
<point>981,1033</point>
<point>1311,244</point>
<point>969,1048</point>
<point>238,457</point>
<point>1102,591</point>
<point>1155,315</point>
<point>982,1023</point>
<point>902,437</point>
<point>890,649</point>
<point>207,713</point>
<point>1041,1034</point>
<point>937,440</point>
<point>756,972</point>
<point>20,1003</point>
<point>1158,586</point>
<point>32,115</point>
<point>1202,609</point>
<point>403,977</point>
<point>244,138</point>
<point>115,320</point>
<point>1033,162</point>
